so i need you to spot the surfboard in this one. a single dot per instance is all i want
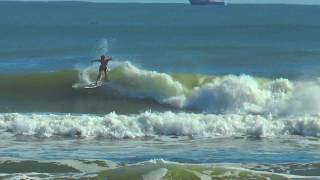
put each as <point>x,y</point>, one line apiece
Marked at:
<point>93,85</point>
<point>89,86</point>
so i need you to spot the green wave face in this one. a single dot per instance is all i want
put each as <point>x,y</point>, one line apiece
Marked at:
<point>53,92</point>
<point>187,172</point>
<point>131,90</point>
<point>155,169</point>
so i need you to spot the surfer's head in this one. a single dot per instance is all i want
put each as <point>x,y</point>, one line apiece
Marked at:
<point>102,57</point>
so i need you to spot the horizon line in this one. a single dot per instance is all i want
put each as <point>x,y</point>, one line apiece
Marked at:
<point>101,2</point>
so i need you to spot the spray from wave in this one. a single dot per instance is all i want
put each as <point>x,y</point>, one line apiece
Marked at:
<point>103,47</point>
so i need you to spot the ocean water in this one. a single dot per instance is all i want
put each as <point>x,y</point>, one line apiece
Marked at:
<point>194,92</point>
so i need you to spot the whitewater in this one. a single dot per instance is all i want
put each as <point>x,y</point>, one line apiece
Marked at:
<point>148,124</point>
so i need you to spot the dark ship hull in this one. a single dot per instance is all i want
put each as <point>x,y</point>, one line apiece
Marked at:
<point>206,2</point>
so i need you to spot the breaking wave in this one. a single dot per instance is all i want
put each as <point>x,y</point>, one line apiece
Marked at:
<point>149,124</point>
<point>228,94</point>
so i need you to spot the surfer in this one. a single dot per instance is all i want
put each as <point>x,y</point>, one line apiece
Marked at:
<point>103,66</point>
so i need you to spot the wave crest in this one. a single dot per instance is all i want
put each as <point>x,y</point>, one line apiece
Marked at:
<point>156,124</point>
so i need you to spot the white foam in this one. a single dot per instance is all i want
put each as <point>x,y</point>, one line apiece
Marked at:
<point>85,75</point>
<point>231,94</point>
<point>157,124</point>
<point>136,82</point>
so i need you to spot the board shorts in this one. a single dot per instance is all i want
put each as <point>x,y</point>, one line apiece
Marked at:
<point>102,68</point>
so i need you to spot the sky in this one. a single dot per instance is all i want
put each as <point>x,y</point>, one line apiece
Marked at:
<point>186,1</point>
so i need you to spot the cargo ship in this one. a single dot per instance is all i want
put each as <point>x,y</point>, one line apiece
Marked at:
<point>207,2</point>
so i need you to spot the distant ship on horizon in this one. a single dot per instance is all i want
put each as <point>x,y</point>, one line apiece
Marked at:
<point>207,2</point>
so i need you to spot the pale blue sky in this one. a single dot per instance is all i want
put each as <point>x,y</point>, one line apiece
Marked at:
<point>186,1</point>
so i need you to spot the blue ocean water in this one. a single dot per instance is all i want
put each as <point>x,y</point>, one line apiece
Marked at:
<point>233,84</point>
<point>270,40</point>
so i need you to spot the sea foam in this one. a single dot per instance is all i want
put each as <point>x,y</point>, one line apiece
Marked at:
<point>156,124</point>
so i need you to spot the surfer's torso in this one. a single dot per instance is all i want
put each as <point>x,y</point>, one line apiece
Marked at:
<point>103,64</point>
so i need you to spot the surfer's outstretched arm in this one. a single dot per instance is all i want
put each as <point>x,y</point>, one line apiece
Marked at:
<point>96,60</point>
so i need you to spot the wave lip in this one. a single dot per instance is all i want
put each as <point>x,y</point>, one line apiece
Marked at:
<point>133,81</point>
<point>156,124</point>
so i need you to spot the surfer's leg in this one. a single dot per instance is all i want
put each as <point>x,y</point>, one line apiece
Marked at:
<point>105,74</point>
<point>98,78</point>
